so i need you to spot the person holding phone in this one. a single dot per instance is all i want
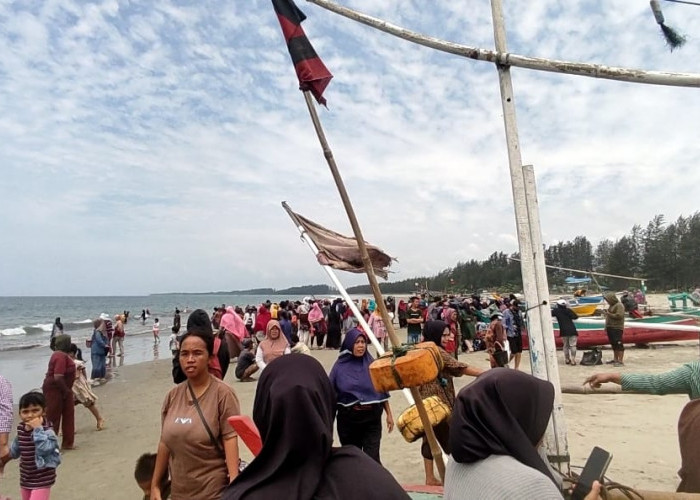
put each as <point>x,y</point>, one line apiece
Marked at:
<point>497,424</point>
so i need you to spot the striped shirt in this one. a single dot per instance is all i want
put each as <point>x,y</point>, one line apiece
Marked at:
<point>5,405</point>
<point>31,477</point>
<point>683,380</point>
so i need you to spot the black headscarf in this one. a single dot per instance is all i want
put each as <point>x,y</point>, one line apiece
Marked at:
<point>294,410</point>
<point>503,412</point>
<point>433,331</point>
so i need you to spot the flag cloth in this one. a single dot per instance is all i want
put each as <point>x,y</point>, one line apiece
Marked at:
<point>312,73</point>
<point>341,252</point>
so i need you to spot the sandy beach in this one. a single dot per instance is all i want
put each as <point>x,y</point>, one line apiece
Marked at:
<point>640,431</point>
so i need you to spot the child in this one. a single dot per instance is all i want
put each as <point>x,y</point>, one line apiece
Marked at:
<point>174,344</point>
<point>82,391</point>
<point>36,447</point>
<point>143,473</point>
<point>156,332</point>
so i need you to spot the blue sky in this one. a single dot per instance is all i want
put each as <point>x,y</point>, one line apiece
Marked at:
<point>146,146</point>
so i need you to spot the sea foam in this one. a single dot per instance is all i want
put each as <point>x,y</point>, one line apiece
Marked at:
<point>13,331</point>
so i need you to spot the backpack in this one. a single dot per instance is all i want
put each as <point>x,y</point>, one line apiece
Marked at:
<point>592,357</point>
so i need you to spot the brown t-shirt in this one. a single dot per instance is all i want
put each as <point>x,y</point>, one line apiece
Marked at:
<point>198,470</point>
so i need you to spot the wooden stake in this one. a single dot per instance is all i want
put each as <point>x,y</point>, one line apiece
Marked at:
<point>374,285</point>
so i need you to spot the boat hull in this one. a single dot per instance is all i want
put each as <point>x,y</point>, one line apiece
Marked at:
<point>590,335</point>
<point>584,309</point>
<point>590,299</point>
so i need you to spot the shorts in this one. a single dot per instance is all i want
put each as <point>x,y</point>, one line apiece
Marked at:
<point>615,338</point>
<point>516,344</point>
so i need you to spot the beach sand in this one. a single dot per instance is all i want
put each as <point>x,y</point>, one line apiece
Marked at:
<point>639,431</point>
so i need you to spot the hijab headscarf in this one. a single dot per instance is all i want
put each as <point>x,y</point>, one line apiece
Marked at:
<point>262,318</point>
<point>315,314</point>
<point>63,342</point>
<point>350,374</point>
<point>689,440</point>
<point>233,324</point>
<point>503,412</point>
<point>297,459</point>
<point>273,349</point>
<point>433,331</point>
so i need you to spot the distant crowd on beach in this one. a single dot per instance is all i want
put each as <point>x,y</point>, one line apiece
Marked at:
<point>491,428</point>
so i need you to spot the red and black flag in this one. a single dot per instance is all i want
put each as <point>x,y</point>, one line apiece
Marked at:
<point>312,73</point>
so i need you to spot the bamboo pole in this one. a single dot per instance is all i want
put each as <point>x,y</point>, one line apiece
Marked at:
<point>653,495</point>
<point>374,285</point>
<point>586,389</point>
<point>501,57</point>
<point>351,304</point>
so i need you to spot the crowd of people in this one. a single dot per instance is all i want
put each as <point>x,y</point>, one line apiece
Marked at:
<point>493,427</point>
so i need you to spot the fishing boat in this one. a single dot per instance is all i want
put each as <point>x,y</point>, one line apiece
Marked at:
<point>583,310</point>
<point>646,330</point>
<point>590,299</point>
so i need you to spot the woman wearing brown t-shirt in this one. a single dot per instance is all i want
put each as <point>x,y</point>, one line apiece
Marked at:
<point>199,468</point>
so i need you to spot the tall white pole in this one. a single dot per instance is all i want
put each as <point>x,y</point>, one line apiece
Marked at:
<point>557,451</point>
<point>557,423</point>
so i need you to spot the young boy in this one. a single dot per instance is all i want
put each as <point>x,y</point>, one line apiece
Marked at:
<point>36,447</point>
<point>156,332</point>
<point>174,345</point>
<point>143,473</point>
<point>246,365</point>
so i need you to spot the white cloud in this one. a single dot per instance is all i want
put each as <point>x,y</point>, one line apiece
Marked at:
<point>150,144</point>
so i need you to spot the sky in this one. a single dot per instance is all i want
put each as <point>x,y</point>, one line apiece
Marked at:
<point>146,146</point>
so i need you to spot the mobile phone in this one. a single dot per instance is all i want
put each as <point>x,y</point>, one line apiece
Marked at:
<point>594,470</point>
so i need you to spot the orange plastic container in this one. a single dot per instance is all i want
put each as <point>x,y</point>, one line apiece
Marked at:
<point>417,365</point>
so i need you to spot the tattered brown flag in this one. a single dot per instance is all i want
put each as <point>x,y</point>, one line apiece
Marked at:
<point>339,251</point>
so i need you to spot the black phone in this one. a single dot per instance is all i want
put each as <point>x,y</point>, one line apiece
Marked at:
<point>594,470</point>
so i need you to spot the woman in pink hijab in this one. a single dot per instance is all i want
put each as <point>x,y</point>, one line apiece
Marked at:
<point>233,330</point>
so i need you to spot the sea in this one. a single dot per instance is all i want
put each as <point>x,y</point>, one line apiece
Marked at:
<point>26,324</point>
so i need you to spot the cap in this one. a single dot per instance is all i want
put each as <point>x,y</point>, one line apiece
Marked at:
<point>561,302</point>
<point>105,316</point>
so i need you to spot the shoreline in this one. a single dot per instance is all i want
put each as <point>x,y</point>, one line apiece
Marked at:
<point>640,431</point>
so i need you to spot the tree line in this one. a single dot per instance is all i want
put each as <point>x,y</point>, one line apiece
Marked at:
<point>666,255</point>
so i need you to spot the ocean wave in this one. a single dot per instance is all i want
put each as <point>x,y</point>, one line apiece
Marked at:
<point>13,331</point>
<point>44,327</point>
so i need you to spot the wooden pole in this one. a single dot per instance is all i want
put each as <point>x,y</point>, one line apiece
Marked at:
<point>504,58</point>
<point>374,285</point>
<point>549,347</point>
<point>351,304</point>
<point>542,351</point>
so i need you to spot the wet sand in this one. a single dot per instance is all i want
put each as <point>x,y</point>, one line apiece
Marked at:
<point>640,431</point>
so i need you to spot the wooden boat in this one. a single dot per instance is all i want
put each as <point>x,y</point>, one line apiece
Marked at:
<point>590,299</point>
<point>584,309</point>
<point>645,330</point>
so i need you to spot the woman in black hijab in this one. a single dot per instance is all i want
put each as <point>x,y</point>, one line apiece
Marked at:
<point>294,410</point>
<point>442,387</point>
<point>497,424</point>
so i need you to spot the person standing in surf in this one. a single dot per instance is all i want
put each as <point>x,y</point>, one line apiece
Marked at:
<point>55,331</point>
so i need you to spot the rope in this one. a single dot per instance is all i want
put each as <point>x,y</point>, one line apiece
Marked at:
<point>608,486</point>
